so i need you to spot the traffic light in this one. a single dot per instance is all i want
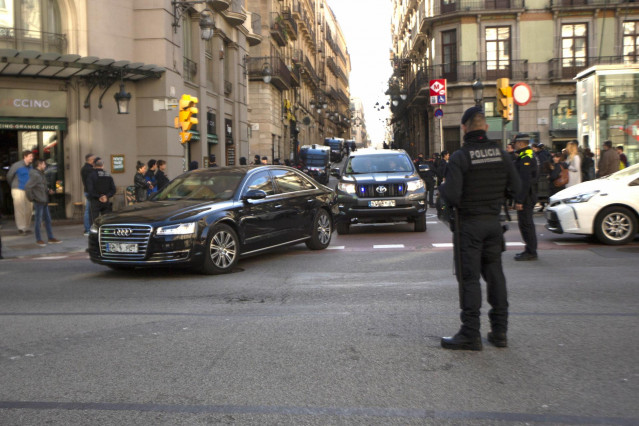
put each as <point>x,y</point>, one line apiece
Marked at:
<point>504,99</point>
<point>186,118</point>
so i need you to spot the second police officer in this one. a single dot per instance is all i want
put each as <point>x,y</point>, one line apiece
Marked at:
<point>100,187</point>
<point>526,198</point>
<point>477,178</point>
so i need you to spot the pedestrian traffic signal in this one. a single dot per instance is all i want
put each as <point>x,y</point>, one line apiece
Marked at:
<point>186,119</point>
<point>505,104</point>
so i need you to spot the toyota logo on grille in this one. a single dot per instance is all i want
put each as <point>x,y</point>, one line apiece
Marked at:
<point>123,232</point>
<point>381,189</point>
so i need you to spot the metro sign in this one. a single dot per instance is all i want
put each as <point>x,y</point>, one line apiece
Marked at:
<point>437,91</point>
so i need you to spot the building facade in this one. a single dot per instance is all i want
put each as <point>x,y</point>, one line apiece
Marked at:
<point>358,123</point>
<point>542,43</point>
<point>298,78</point>
<point>62,62</point>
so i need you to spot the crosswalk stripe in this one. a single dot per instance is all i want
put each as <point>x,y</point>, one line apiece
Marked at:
<point>442,245</point>
<point>384,246</point>
<point>335,248</point>
<point>515,244</point>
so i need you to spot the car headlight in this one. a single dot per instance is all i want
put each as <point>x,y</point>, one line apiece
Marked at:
<point>94,229</point>
<point>581,198</point>
<point>349,188</point>
<point>179,229</point>
<point>414,185</point>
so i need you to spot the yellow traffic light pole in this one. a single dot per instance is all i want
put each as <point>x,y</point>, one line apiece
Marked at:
<point>505,106</point>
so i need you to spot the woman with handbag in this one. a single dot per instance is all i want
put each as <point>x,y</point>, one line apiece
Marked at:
<point>558,176</point>
<point>574,164</point>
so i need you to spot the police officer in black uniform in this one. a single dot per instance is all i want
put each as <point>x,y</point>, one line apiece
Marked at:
<point>526,198</point>
<point>477,177</point>
<point>100,187</point>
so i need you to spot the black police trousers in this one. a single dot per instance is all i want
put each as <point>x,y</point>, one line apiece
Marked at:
<point>98,208</point>
<point>480,247</point>
<point>527,225</point>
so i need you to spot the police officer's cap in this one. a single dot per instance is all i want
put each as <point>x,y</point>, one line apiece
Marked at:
<point>470,113</point>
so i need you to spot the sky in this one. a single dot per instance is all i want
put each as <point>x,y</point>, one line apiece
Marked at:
<point>366,27</point>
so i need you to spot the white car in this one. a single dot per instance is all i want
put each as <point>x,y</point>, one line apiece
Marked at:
<point>607,208</point>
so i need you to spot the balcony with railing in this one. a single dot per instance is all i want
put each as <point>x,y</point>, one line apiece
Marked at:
<point>444,7</point>
<point>190,70</point>
<point>279,72</point>
<point>568,68</point>
<point>18,39</point>
<point>254,37</point>
<point>291,25</point>
<point>486,70</point>
<point>278,31</point>
<point>332,66</point>
<point>309,74</point>
<point>236,14</point>
<point>295,75</point>
<point>560,4</point>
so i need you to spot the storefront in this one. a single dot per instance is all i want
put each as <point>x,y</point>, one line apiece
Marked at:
<point>608,108</point>
<point>33,120</point>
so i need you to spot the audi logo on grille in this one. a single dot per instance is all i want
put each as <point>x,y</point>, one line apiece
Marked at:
<point>381,189</point>
<point>123,232</point>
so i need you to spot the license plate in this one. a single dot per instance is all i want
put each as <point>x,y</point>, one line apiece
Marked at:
<point>381,203</point>
<point>121,248</point>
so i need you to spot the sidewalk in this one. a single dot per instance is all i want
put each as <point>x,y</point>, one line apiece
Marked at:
<point>14,245</point>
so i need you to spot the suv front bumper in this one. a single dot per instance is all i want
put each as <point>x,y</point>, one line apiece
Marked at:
<point>406,208</point>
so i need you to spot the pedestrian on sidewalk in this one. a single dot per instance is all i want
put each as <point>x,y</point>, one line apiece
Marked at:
<point>37,191</point>
<point>151,168</point>
<point>161,178</point>
<point>100,187</point>
<point>17,178</point>
<point>86,170</point>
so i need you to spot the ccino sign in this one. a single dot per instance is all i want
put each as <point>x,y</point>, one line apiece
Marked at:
<point>32,103</point>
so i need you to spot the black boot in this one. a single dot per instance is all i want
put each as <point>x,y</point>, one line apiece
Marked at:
<point>462,342</point>
<point>498,338</point>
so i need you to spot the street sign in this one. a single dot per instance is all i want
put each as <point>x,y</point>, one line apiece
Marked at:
<point>437,89</point>
<point>439,113</point>
<point>522,94</point>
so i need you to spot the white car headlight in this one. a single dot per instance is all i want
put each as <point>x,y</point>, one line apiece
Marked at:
<point>414,185</point>
<point>581,198</point>
<point>349,188</point>
<point>179,229</point>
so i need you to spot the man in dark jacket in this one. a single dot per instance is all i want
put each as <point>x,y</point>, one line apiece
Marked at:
<point>101,187</point>
<point>526,198</point>
<point>477,177</point>
<point>85,171</point>
<point>160,176</point>
<point>38,192</point>
<point>609,161</point>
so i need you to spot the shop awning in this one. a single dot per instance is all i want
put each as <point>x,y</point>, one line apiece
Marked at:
<point>30,63</point>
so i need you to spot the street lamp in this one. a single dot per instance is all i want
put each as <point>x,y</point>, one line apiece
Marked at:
<point>478,91</point>
<point>267,73</point>
<point>122,99</point>
<point>403,94</point>
<point>207,24</point>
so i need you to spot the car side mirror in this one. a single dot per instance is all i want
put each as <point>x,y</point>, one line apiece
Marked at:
<point>335,172</point>
<point>254,194</point>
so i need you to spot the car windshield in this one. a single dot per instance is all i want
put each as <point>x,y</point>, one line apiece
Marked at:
<point>622,174</point>
<point>201,186</point>
<point>378,164</point>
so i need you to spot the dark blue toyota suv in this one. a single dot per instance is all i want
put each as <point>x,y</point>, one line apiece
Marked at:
<point>379,186</point>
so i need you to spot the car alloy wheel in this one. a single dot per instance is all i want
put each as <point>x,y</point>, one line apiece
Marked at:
<point>223,250</point>
<point>321,231</point>
<point>616,225</point>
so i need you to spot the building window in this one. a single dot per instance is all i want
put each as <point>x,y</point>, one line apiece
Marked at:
<point>190,66</point>
<point>497,52</point>
<point>208,55</point>
<point>449,54</point>
<point>448,5</point>
<point>630,42</point>
<point>574,45</point>
<point>31,25</point>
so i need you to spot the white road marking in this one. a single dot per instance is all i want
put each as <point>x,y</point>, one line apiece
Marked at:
<point>385,246</point>
<point>515,244</point>
<point>570,243</point>
<point>335,248</point>
<point>433,222</point>
<point>442,245</point>
<point>52,257</point>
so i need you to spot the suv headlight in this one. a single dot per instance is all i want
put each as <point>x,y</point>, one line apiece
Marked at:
<point>414,185</point>
<point>581,198</point>
<point>349,188</point>
<point>179,229</point>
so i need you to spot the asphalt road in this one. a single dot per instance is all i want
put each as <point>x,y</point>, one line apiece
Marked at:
<point>348,335</point>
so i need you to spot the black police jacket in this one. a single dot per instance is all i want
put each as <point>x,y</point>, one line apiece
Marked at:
<point>478,176</point>
<point>100,183</point>
<point>526,166</point>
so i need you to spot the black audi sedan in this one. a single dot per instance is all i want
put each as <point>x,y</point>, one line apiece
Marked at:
<point>209,218</point>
